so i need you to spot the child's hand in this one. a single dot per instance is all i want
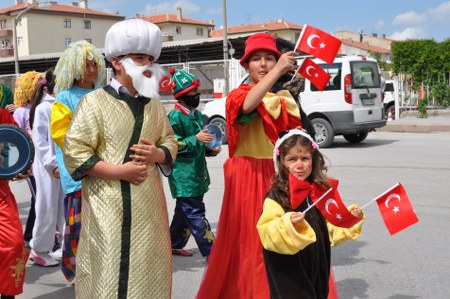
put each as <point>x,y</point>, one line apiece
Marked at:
<point>357,212</point>
<point>204,136</point>
<point>22,176</point>
<point>146,152</point>
<point>56,173</point>
<point>133,172</point>
<point>217,150</point>
<point>298,220</point>
<point>10,108</point>
<point>286,62</point>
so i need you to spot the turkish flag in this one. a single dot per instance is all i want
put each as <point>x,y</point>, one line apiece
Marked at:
<point>318,43</point>
<point>334,210</point>
<point>396,209</point>
<point>165,84</point>
<point>314,73</point>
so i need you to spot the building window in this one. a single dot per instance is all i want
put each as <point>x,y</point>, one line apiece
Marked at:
<point>67,41</point>
<point>199,31</point>
<point>87,24</point>
<point>3,24</point>
<point>88,40</point>
<point>178,29</point>
<point>67,23</point>
<point>19,40</point>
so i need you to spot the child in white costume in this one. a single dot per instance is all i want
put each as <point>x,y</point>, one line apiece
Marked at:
<point>49,195</point>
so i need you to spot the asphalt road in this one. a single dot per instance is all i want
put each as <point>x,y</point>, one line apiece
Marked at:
<point>412,264</point>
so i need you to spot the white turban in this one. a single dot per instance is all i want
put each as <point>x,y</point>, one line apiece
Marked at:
<point>133,36</point>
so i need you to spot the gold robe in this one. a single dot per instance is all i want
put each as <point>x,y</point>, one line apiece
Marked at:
<point>124,249</point>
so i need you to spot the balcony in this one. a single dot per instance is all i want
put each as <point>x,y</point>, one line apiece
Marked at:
<point>6,52</point>
<point>6,32</point>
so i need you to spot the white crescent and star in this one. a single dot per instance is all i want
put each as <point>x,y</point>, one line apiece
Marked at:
<point>388,199</point>
<point>308,69</point>
<point>330,201</point>
<point>310,39</point>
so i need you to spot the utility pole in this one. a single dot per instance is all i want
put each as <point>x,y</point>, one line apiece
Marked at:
<point>225,48</point>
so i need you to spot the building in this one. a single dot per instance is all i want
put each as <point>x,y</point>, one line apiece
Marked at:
<point>176,27</point>
<point>43,30</point>
<point>280,28</point>
<point>361,44</point>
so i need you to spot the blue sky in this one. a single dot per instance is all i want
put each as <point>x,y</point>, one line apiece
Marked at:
<point>398,19</point>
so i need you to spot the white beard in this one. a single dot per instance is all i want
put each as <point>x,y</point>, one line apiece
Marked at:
<point>147,87</point>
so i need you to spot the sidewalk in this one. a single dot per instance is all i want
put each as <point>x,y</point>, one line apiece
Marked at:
<point>437,121</point>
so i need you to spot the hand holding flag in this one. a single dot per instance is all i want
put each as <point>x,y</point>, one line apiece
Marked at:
<point>318,43</point>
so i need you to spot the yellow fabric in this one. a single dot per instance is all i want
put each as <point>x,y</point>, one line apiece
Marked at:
<point>59,122</point>
<point>273,106</point>
<point>279,235</point>
<point>277,232</point>
<point>339,234</point>
<point>103,125</point>
<point>257,144</point>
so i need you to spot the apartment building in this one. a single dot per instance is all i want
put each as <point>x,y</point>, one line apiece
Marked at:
<point>49,27</point>
<point>175,27</point>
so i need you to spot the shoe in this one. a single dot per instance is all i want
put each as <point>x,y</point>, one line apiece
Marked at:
<point>43,259</point>
<point>56,254</point>
<point>181,252</point>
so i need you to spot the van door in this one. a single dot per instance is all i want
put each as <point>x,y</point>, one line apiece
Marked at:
<point>366,92</point>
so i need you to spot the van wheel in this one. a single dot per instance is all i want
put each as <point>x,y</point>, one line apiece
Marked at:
<point>390,108</point>
<point>355,138</point>
<point>221,123</point>
<point>324,132</point>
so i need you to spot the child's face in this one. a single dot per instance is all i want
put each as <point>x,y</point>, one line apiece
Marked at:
<point>298,162</point>
<point>90,72</point>
<point>259,64</point>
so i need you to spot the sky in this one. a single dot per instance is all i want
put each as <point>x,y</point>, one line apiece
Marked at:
<point>398,19</point>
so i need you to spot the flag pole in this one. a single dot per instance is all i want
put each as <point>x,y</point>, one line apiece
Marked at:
<point>382,194</point>
<point>308,208</point>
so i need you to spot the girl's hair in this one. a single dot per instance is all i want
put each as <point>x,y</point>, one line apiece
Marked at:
<point>38,92</point>
<point>280,181</point>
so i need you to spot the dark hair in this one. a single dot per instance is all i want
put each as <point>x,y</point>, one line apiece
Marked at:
<point>294,86</point>
<point>38,92</point>
<point>280,181</point>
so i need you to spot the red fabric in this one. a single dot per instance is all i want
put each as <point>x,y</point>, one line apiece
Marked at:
<point>334,210</point>
<point>332,288</point>
<point>6,117</point>
<point>165,84</point>
<point>318,43</point>
<point>179,108</point>
<point>298,190</point>
<point>314,73</point>
<point>13,255</point>
<point>235,267</point>
<point>271,126</point>
<point>396,209</point>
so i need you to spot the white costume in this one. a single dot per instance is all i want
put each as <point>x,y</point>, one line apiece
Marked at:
<point>49,195</point>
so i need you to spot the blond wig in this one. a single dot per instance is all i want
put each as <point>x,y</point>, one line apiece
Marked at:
<point>72,65</point>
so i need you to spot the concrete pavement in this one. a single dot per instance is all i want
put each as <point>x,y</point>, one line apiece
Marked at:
<point>437,121</point>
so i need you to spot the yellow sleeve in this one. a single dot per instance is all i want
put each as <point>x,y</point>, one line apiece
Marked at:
<point>59,122</point>
<point>339,235</point>
<point>277,232</point>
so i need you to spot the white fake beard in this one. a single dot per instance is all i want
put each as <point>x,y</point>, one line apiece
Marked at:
<point>147,87</point>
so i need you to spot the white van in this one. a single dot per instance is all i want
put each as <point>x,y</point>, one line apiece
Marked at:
<point>351,103</point>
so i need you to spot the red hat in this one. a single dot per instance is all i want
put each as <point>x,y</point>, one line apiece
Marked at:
<point>259,41</point>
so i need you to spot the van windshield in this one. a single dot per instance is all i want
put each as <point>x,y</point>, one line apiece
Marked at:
<point>365,74</point>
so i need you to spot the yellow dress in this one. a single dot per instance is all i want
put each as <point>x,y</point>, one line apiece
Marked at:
<point>124,249</point>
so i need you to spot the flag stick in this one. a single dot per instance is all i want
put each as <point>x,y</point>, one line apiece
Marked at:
<point>382,194</point>
<point>296,71</point>
<point>308,208</point>
<point>31,188</point>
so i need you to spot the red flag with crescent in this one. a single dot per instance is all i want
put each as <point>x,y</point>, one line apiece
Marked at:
<point>165,84</point>
<point>314,73</point>
<point>318,43</point>
<point>335,211</point>
<point>396,209</point>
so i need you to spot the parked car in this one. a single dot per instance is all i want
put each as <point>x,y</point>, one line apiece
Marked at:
<point>389,100</point>
<point>350,105</point>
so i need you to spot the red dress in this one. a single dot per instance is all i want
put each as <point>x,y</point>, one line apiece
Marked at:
<point>13,255</point>
<point>235,266</point>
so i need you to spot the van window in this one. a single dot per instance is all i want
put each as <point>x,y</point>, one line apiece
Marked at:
<point>389,87</point>
<point>364,74</point>
<point>334,70</point>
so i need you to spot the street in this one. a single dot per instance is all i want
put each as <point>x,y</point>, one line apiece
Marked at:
<point>411,264</point>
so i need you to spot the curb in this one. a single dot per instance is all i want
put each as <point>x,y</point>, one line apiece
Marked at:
<point>412,128</point>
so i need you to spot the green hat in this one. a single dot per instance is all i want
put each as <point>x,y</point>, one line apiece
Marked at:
<point>183,82</point>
